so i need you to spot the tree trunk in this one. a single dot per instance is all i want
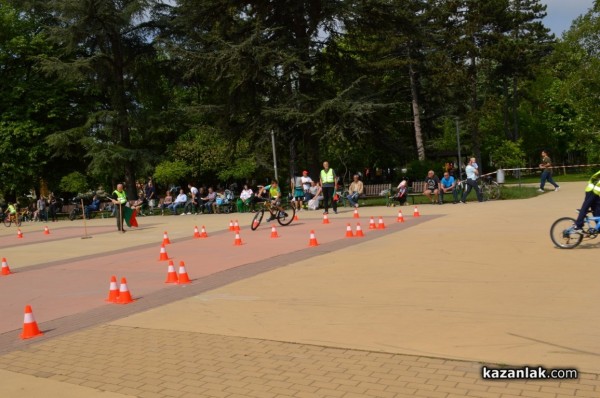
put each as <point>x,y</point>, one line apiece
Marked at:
<point>416,113</point>
<point>505,111</point>
<point>515,109</point>
<point>475,115</point>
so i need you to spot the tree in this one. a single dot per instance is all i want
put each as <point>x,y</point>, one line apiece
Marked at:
<point>33,104</point>
<point>107,50</point>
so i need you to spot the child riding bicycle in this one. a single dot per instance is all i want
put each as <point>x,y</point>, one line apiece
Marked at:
<point>11,211</point>
<point>590,201</point>
<point>274,197</point>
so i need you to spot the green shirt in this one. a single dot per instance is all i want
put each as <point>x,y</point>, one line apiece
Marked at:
<point>274,192</point>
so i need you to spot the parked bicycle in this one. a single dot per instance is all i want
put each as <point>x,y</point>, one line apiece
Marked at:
<point>489,188</point>
<point>284,217</point>
<point>564,235</point>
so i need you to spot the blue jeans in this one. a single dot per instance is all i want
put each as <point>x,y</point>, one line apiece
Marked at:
<point>173,207</point>
<point>472,184</point>
<point>592,201</point>
<point>547,176</point>
<point>353,199</point>
<point>454,195</point>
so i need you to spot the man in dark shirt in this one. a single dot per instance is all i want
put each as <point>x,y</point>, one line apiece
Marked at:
<point>432,183</point>
<point>150,193</point>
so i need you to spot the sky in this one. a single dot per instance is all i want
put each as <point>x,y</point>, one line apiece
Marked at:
<point>562,12</point>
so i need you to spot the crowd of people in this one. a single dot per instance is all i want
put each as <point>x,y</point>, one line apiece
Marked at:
<point>306,193</point>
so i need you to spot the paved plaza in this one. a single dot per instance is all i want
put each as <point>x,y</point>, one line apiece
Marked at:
<point>413,310</point>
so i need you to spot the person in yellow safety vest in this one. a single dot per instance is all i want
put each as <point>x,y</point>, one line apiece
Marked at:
<point>328,183</point>
<point>590,201</point>
<point>119,199</point>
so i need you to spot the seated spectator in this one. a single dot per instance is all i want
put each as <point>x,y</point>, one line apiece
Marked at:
<point>219,201</point>
<point>209,200</point>
<point>402,193</point>
<point>180,201</point>
<point>94,206</point>
<point>166,202</point>
<point>448,185</point>
<point>432,183</point>
<point>307,182</point>
<point>355,190</point>
<point>245,199</point>
<point>316,194</point>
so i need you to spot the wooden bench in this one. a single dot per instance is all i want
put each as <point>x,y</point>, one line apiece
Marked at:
<point>369,191</point>
<point>416,189</point>
<point>375,190</point>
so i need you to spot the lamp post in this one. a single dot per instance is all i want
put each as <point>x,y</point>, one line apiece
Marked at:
<point>274,153</point>
<point>458,144</point>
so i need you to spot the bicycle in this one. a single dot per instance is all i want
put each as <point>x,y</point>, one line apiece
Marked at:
<point>12,218</point>
<point>284,217</point>
<point>564,236</point>
<point>489,188</point>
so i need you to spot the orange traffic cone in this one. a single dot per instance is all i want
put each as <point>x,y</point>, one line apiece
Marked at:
<point>274,232</point>
<point>5,268</point>
<point>236,226</point>
<point>203,234</point>
<point>231,228</point>
<point>113,290</point>
<point>400,216</point>
<point>325,219</point>
<point>166,240</point>
<point>163,254</point>
<point>359,232</point>
<point>381,224</point>
<point>372,223</point>
<point>30,327</point>
<point>255,223</point>
<point>416,212</point>
<point>356,213</point>
<point>171,274</point>
<point>46,230</point>
<point>183,275</point>
<point>124,294</point>
<point>238,240</point>
<point>296,217</point>
<point>313,239</point>
<point>19,234</point>
<point>196,232</point>
<point>349,233</point>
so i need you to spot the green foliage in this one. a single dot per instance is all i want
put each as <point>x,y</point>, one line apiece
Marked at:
<point>74,182</point>
<point>191,89</point>
<point>170,172</point>
<point>418,169</point>
<point>507,154</point>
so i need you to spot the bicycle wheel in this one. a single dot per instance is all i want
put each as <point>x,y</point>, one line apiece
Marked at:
<point>18,220</point>
<point>73,214</point>
<point>563,235</point>
<point>288,216</point>
<point>493,190</point>
<point>257,219</point>
<point>7,221</point>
